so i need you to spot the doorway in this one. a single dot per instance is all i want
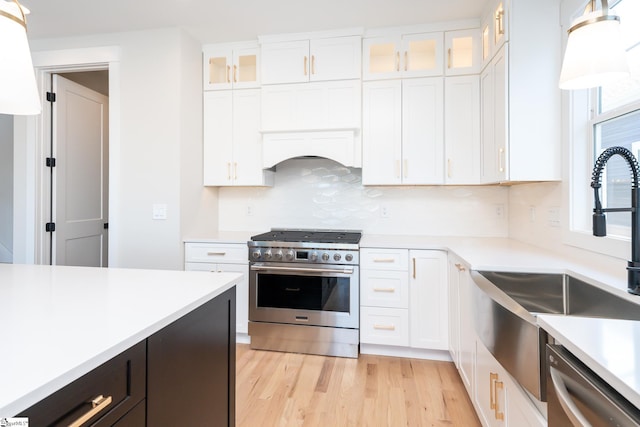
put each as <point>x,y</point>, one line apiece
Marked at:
<point>76,206</point>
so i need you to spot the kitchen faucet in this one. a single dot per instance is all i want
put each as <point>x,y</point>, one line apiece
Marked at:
<point>600,220</point>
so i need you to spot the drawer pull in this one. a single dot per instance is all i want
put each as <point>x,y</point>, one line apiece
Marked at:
<point>384,260</point>
<point>385,327</point>
<point>384,289</point>
<point>460,267</point>
<point>97,405</point>
<point>216,253</point>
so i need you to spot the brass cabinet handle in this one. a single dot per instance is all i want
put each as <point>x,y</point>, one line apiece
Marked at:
<point>383,260</point>
<point>228,171</point>
<point>499,415</point>
<point>97,404</point>
<point>460,267</point>
<point>406,60</point>
<point>397,61</point>
<point>500,21</point>
<point>235,171</point>
<point>228,74</point>
<point>305,65</point>
<point>235,73</point>
<point>414,267</point>
<point>398,169</point>
<point>449,58</point>
<point>500,156</point>
<point>391,290</point>
<point>216,253</point>
<point>492,391</point>
<point>448,168</point>
<point>313,64</point>
<point>385,327</point>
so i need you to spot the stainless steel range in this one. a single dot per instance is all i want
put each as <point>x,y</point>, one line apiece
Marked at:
<point>304,291</point>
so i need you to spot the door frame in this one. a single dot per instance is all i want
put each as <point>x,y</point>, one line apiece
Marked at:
<point>31,146</point>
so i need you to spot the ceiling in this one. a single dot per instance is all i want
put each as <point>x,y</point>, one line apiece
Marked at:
<point>211,21</point>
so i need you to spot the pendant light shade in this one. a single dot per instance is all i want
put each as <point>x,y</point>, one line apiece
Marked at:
<point>595,53</point>
<point>18,89</point>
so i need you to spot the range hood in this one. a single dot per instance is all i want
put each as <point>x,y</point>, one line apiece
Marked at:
<point>319,119</point>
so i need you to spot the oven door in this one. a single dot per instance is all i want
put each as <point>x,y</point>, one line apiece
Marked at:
<point>305,294</point>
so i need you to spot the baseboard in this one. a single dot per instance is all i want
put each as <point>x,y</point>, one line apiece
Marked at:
<point>406,352</point>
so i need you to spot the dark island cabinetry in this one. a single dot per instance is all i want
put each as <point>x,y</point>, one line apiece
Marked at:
<point>183,374</point>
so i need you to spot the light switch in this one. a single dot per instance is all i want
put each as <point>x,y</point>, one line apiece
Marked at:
<point>159,211</point>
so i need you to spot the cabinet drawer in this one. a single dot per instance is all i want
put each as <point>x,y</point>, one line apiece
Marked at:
<point>123,379</point>
<point>382,288</point>
<point>208,252</point>
<point>386,326</point>
<point>384,259</point>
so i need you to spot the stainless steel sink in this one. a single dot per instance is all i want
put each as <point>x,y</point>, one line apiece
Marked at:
<point>505,309</point>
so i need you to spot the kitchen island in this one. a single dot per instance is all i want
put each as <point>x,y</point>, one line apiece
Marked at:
<point>61,323</point>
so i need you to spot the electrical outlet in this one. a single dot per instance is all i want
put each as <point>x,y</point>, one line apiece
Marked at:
<point>553,217</point>
<point>249,210</point>
<point>159,211</point>
<point>532,214</point>
<point>384,212</point>
<point>500,211</point>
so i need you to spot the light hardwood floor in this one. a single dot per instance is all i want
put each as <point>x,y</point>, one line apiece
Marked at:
<point>288,389</point>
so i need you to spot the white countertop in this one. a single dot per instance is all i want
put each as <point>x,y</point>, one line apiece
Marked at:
<point>58,323</point>
<point>610,348</point>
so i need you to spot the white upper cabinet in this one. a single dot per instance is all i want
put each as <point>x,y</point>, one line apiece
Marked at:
<point>462,51</point>
<point>403,132</point>
<point>321,59</point>
<point>229,66</point>
<point>521,132</point>
<point>411,55</point>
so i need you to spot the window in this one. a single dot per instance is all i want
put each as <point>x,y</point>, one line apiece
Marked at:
<point>615,121</point>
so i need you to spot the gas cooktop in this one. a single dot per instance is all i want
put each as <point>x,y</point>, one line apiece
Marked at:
<point>313,236</point>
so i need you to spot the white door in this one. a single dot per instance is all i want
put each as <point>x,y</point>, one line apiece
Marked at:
<point>81,175</point>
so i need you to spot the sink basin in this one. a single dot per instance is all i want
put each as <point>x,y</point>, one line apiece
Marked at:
<point>505,308</point>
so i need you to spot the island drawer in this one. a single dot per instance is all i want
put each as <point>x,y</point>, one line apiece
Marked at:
<point>216,252</point>
<point>120,381</point>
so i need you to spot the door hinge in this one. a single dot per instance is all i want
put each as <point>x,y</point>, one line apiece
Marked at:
<point>51,162</point>
<point>51,97</point>
<point>50,227</point>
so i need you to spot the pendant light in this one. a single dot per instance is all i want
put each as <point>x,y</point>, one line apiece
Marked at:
<point>595,53</point>
<point>18,89</point>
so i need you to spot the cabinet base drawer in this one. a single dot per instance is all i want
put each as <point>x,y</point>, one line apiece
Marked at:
<point>389,326</point>
<point>121,382</point>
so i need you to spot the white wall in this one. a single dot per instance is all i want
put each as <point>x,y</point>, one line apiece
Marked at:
<point>6,188</point>
<point>159,123</point>
<point>319,193</point>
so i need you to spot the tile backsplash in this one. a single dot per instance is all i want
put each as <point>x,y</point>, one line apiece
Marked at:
<point>320,193</point>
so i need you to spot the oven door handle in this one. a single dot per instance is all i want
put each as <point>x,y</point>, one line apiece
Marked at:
<point>345,270</point>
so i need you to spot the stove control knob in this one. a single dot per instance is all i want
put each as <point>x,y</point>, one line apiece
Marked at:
<point>256,254</point>
<point>267,254</point>
<point>349,257</point>
<point>336,257</point>
<point>278,254</point>
<point>325,257</point>
<point>290,255</point>
<point>313,257</point>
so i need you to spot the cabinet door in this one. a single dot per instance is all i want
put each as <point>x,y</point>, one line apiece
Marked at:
<point>421,55</point>
<point>462,50</point>
<point>462,129</point>
<point>191,366</point>
<point>467,329</point>
<point>454,311</point>
<point>242,294</point>
<point>382,133</point>
<point>381,58</point>
<point>244,72</point>
<point>490,391</point>
<point>335,58</point>
<point>285,62</point>
<point>218,137</point>
<point>494,120</point>
<point>501,111</point>
<point>247,140</point>
<point>428,300</point>
<point>422,131</point>
<point>217,68</point>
